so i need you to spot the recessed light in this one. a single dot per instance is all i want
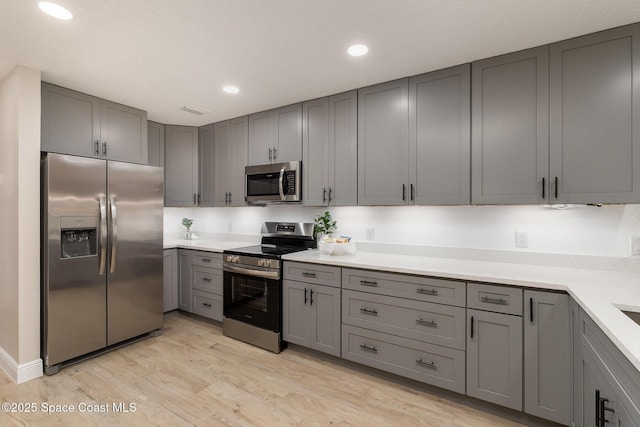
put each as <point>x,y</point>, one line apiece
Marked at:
<point>231,89</point>
<point>358,50</point>
<point>55,10</point>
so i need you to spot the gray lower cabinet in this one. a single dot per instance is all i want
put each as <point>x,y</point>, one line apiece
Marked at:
<point>181,173</point>
<point>155,136</point>
<point>276,135</point>
<point>439,137</point>
<point>83,125</point>
<point>606,386</point>
<point>201,282</point>
<point>230,157</point>
<point>547,356</point>
<point>595,119</point>
<point>510,128</point>
<point>330,144</point>
<point>205,166</point>
<point>170,277</point>
<point>311,308</point>
<point>494,358</point>
<point>383,144</point>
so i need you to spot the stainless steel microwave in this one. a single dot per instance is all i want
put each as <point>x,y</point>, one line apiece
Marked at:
<point>273,183</point>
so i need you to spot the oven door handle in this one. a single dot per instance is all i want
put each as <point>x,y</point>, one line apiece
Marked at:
<point>250,272</point>
<point>281,184</point>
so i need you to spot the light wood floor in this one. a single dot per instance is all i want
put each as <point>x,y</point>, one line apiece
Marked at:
<point>193,375</point>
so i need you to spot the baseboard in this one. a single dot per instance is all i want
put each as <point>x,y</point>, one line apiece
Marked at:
<point>20,373</point>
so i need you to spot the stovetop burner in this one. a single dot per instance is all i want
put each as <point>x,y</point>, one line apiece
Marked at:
<point>280,238</point>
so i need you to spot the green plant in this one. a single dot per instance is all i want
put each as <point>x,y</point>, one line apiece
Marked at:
<point>324,224</point>
<point>187,223</point>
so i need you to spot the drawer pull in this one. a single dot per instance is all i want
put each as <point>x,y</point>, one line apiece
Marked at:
<point>431,365</point>
<point>206,279</point>
<point>205,259</point>
<point>430,323</point>
<point>368,348</point>
<point>367,311</point>
<point>368,283</point>
<point>207,304</point>
<point>490,300</point>
<point>427,291</point>
<point>307,274</point>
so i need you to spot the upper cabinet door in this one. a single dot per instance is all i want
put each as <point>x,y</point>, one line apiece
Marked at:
<point>440,137</point>
<point>383,144</point>
<point>123,132</point>
<point>155,136</point>
<point>70,122</point>
<point>221,156</point>
<point>181,166</point>
<point>595,118</point>
<point>205,165</point>
<point>262,140</point>
<point>510,128</point>
<point>289,134</point>
<point>239,137</point>
<point>343,149</point>
<point>315,143</point>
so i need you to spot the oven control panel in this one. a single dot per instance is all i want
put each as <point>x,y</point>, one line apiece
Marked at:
<point>252,261</point>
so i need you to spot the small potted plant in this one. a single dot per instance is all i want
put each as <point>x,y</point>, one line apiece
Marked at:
<point>187,223</point>
<point>324,225</point>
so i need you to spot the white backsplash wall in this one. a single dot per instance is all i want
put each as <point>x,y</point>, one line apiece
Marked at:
<point>603,231</point>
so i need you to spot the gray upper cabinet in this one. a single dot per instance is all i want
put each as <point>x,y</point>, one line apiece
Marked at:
<point>230,155</point>
<point>83,125</point>
<point>547,356</point>
<point>275,135</point>
<point>510,128</point>
<point>595,118</point>
<point>383,144</point>
<point>205,166</point>
<point>155,136</point>
<point>181,166</point>
<point>440,137</point>
<point>330,146</point>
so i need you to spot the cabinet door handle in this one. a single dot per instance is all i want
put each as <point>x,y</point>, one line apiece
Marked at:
<point>308,274</point>
<point>97,147</point>
<point>198,198</point>
<point>543,188</point>
<point>270,157</point>
<point>104,148</point>
<point>311,297</point>
<point>206,260</point>
<point>305,296</point>
<point>603,408</point>
<point>556,185</point>
<point>194,199</point>
<point>368,311</point>
<point>330,195</point>
<point>368,348</point>
<point>430,323</point>
<point>206,279</point>
<point>431,365</point>
<point>226,198</point>
<point>206,304</point>
<point>275,153</point>
<point>368,283</point>
<point>411,192</point>
<point>404,192</point>
<point>324,195</point>
<point>230,197</point>
<point>471,326</point>
<point>598,424</point>
<point>531,310</point>
<point>427,291</point>
<point>499,301</point>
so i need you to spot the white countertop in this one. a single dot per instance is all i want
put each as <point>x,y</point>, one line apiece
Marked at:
<point>598,292</point>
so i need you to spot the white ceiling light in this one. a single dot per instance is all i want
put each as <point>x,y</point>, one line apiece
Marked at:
<point>55,10</point>
<point>231,89</point>
<point>358,50</point>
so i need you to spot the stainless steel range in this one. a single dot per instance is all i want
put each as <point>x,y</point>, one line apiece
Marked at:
<point>253,284</point>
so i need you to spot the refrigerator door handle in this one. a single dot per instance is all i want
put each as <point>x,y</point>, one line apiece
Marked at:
<point>114,234</point>
<point>103,234</point>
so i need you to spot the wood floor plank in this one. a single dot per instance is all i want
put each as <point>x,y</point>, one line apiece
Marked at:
<point>192,375</point>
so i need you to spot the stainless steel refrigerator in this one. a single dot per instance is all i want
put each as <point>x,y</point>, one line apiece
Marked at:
<point>101,255</point>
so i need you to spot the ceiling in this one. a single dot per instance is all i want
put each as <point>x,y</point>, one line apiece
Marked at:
<point>159,55</point>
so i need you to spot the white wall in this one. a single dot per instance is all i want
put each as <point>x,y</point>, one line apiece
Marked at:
<point>597,231</point>
<point>19,224</point>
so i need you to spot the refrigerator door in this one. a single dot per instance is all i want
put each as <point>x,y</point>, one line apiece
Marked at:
<point>134,289</point>
<point>74,290</point>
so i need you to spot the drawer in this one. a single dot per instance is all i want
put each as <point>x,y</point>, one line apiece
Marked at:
<point>207,259</point>
<point>207,305</point>
<point>423,321</point>
<point>432,364</point>
<point>312,273</point>
<point>429,289</point>
<point>207,279</point>
<point>500,299</point>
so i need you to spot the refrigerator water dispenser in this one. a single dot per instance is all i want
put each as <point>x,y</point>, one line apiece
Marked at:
<point>78,236</point>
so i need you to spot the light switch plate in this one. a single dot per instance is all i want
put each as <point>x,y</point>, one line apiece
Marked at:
<point>522,239</point>
<point>635,245</point>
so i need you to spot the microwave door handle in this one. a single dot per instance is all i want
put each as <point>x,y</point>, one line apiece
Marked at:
<point>281,184</point>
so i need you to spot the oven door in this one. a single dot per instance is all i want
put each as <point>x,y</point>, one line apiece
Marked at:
<point>252,299</point>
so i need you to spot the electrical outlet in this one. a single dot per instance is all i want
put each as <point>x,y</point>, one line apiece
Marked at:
<point>522,239</point>
<point>229,227</point>
<point>371,232</point>
<point>635,245</point>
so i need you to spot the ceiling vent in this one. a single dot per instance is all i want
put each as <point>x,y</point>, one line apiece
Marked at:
<point>194,110</point>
